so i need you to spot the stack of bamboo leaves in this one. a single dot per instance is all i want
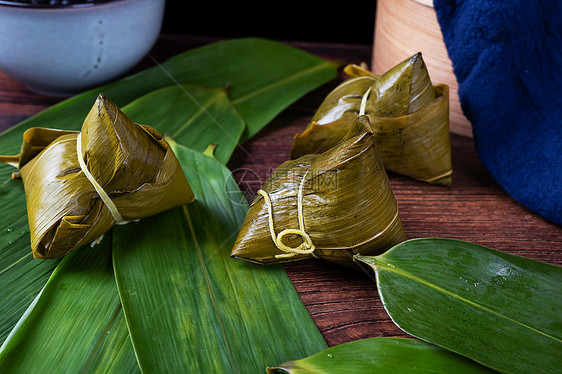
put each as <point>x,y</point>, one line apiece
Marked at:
<point>162,295</point>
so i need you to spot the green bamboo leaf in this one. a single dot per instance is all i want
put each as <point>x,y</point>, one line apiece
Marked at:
<point>216,121</point>
<point>501,310</point>
<point>382,355</point>
<point>206,116</point>
<point>21,276</point>
<point>75,324</point>
<point>188,305</point>
<point>263,77</point>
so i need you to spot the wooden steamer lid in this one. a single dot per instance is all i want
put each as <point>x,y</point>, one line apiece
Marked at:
<point>405,27</point>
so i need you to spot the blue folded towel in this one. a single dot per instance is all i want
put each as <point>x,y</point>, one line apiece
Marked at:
<point>507,57</point>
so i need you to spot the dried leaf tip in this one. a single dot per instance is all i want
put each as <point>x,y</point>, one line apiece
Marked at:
<point>100,102</point>
<point>402,90</point>
<point>210,150</point>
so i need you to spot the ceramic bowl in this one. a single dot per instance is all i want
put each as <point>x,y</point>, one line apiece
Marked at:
<point>62,50</point>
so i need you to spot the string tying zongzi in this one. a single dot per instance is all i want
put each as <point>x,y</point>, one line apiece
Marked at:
<point>364,101</point>
<point>99,189</point>
<point>307,246</point>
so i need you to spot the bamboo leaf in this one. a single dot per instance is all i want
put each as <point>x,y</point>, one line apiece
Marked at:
<point>75,324</point>
<point>501,310</point>
<point>263,76</point>
<point>382,355</point>
<point>21,276</point>
<point>188,305</point>
<point>206,116</point>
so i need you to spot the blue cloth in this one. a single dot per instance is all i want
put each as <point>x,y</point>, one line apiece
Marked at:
<point>507,57</point>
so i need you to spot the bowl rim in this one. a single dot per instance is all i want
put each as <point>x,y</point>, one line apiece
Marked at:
<point>15,4</point>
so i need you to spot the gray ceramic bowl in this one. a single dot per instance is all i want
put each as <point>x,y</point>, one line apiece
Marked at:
<point>63,50</point>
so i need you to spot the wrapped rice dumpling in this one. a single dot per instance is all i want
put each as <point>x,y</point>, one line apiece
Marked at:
<point>79,184</point>
<point>330,205</point>
<point>409,116</point>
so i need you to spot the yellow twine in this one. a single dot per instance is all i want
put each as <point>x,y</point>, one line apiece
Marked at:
<point>99,189</point>
<point>364,102</point>
<point>307,246</point>
<point>445,174</point>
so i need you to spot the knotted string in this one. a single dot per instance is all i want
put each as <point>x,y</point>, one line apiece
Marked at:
<point>99,189</point>
<point>307,246</point>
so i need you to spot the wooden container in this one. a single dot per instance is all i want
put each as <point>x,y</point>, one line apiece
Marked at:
<point>405,27</point>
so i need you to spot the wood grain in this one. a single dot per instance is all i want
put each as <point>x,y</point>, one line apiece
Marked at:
<point>344,302</point>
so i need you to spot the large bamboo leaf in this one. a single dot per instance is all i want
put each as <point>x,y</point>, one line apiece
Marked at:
<point>189,306</point>
<point>382,355</point>
<point>194,116</point>
<point>501,310</point>
<point>21,276</point>
<point>76,323</point>
<point>263,77</point>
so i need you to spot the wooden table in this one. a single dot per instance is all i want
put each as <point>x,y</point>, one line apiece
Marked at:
<point>344,303</point>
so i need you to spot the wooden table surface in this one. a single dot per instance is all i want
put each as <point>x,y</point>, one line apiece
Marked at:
<point>344,303</point>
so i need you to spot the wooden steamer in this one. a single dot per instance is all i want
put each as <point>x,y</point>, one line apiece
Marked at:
<point>404,27</point>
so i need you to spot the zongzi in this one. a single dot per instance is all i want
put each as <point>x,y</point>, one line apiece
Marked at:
<point>330,205</point>
<point>409,117</point>
<point>79,184</point>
